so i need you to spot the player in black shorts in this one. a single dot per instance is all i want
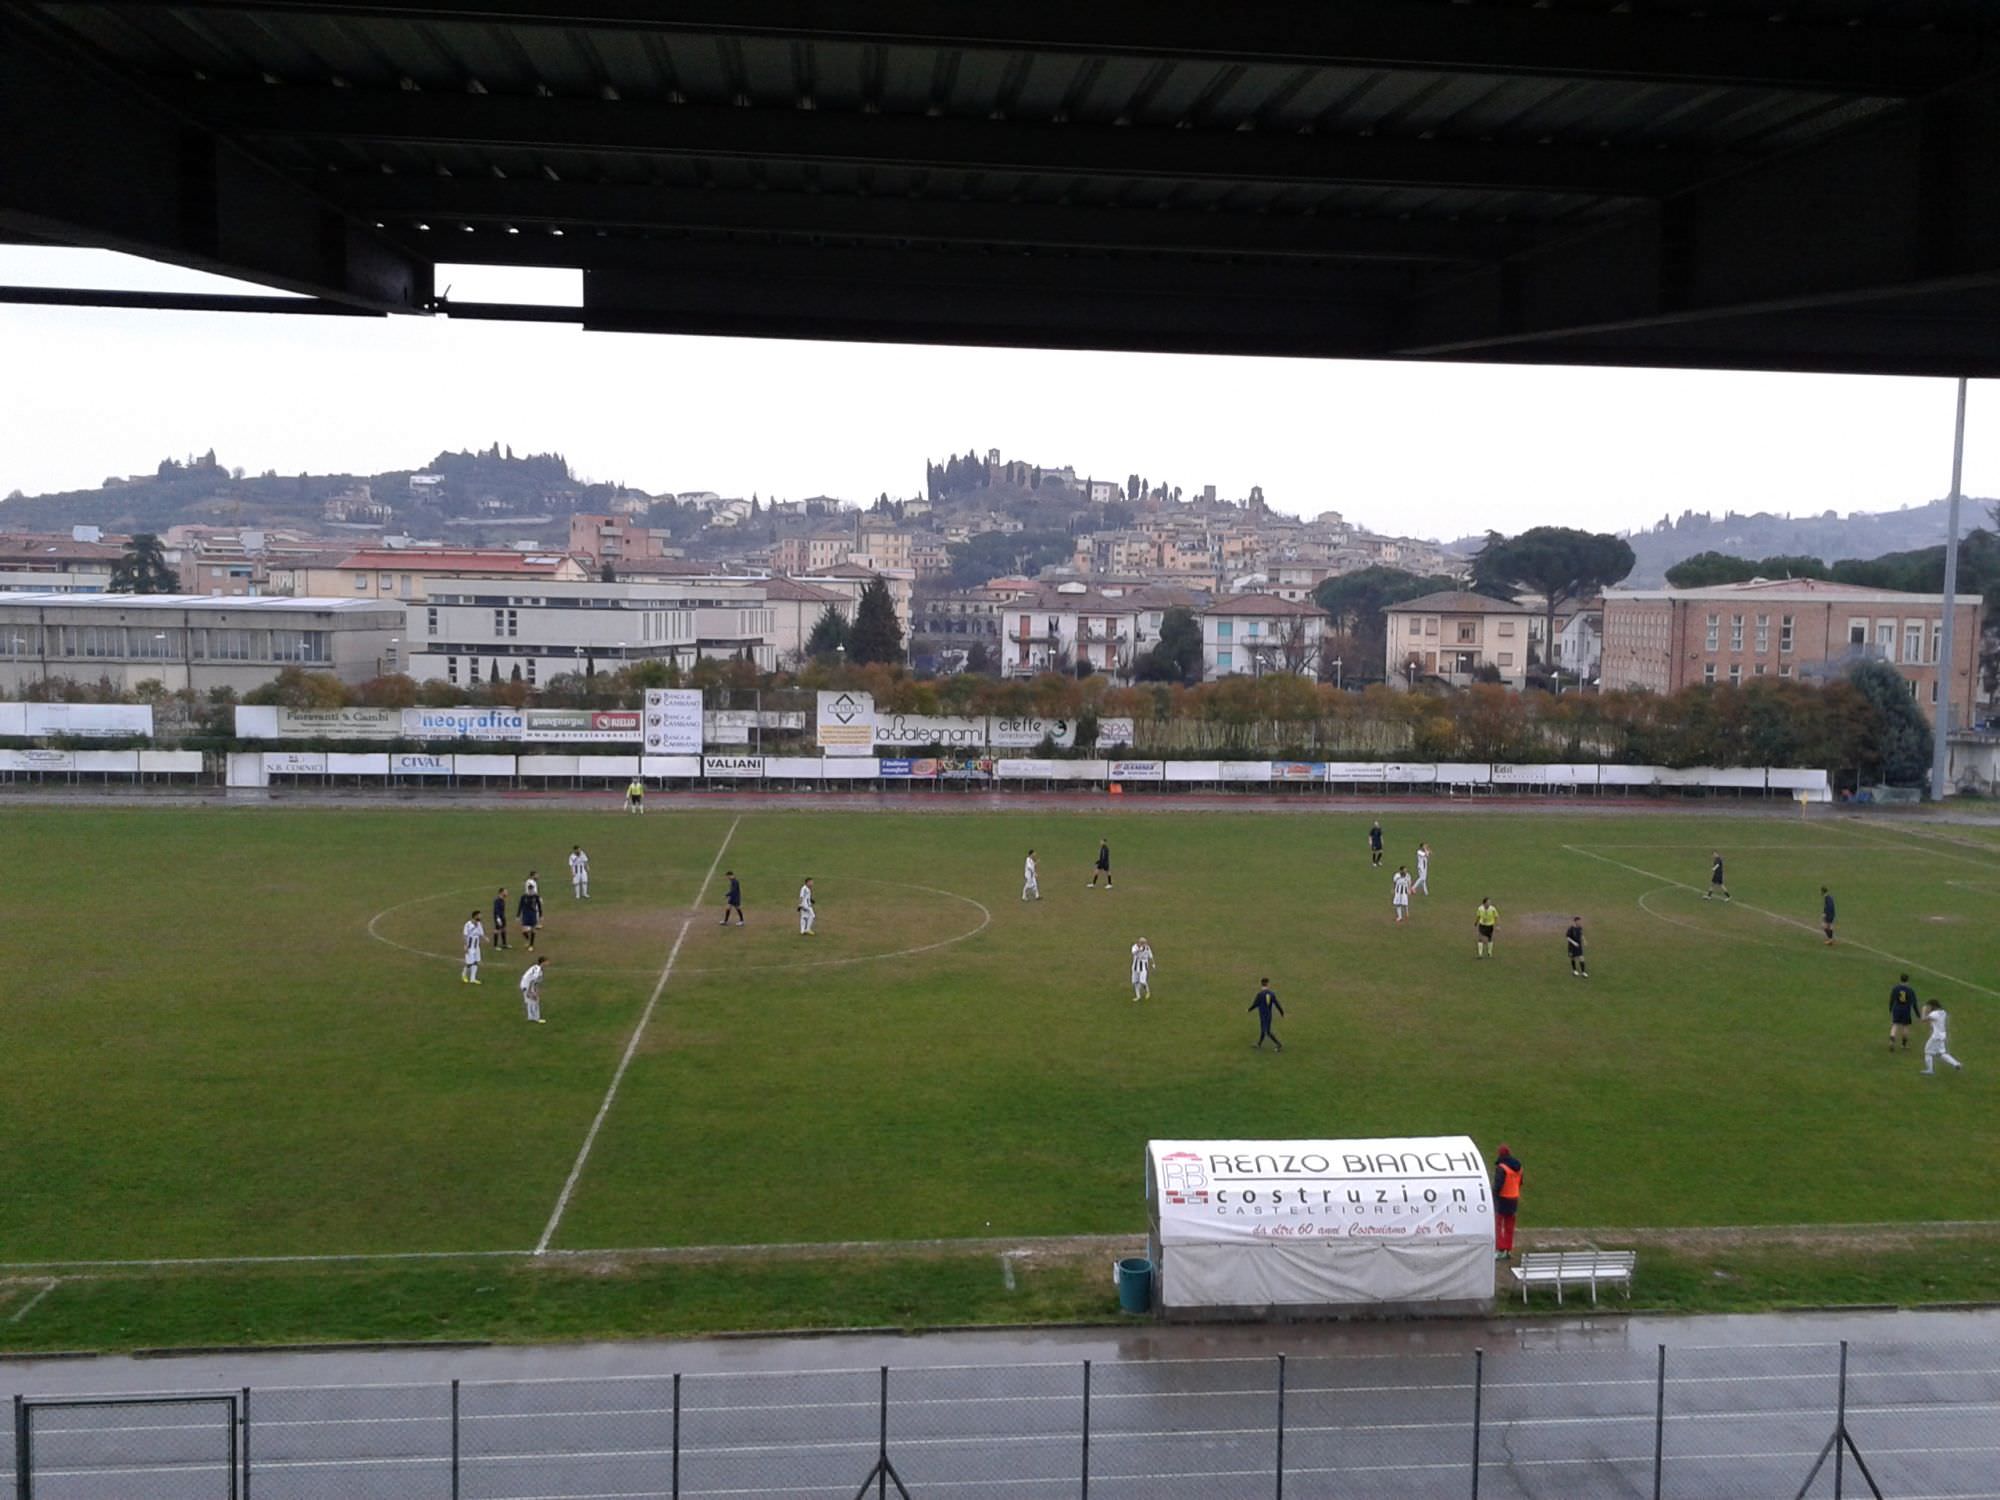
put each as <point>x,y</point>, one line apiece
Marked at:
<point>1715,882</point>
<point>1577,964</point>
<point>500,919</point>
<point>733,901</point>
<point>1103,864</point>
<point>1375,843</point>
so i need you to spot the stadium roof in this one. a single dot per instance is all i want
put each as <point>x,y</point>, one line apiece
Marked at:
<point>1806,185</point>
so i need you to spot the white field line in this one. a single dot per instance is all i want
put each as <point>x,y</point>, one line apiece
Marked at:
<point>48,1285</point>
<point>632,1047</point>
<point>1914,843</point>
<point>1776,916</point>
<point>820,1249</point>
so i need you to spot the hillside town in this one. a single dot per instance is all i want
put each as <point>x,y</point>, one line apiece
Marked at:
<point>484,568</point>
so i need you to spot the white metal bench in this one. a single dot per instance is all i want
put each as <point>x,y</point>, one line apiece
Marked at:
<point>1560,1268</point>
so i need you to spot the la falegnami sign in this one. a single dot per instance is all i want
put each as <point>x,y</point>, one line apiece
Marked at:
<point>1409,1188</point>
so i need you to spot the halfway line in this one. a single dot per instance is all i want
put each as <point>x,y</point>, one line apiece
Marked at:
<point>631,1048</point>
<point>1778,916</point>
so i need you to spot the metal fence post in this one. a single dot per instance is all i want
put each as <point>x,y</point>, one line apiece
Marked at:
<point>1478,1393</point>
<point>235,1450</point>
<point>882,1449</point>
<point>677,1437</point>
<point>246,1443</point>
<point>454,1440</point>
<point>23,1481</point>
<point>1840,1424</point>
<point>1086,1432</point>
<point>1660,1424</point>
<point>1281,1427</point>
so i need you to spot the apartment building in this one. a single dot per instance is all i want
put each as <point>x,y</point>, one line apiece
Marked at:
<point>1666,639</point>
<point>1255,634</point>
<point>616,540</point>
<point>399,573</point>
<point>811,553</point>
<point>1453,634</point>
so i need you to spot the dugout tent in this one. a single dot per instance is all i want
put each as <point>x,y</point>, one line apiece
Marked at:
<point>1320,1228</point>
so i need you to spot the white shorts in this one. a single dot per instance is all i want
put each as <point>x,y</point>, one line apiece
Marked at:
<point>472,955</point>
<point>1401,903</point>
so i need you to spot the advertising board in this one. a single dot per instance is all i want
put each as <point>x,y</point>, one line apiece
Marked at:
<point>673,721</point>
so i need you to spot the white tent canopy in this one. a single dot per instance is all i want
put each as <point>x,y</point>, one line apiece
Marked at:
<point>1320,1227</point>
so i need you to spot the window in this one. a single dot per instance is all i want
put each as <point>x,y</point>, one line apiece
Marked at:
<point>1761,669</point>
<point>1468,632</point>
<point>431,621</point>
<point>1223,630</point>
<point>1913,643</point>
<point>300,645</point>
<point>1785,633</point>
<point>1857,632</point>
<point>1934,690</point>
<point>1225,661</point>
<point>533,662</point>
<point>1763,634</point>
<point>1785,670</point>
<point>1937,642</point>
<point>1708,673</point>
<point>1416,625</point>
<point>1885,638</point>
<point>1715,632</point>
<point>1736,674</point>
<point>506,622</point>
<point>1430,627</point>
<point>1506,658</point>
<point>1736,632</point>
<point>1507,627</point>
<point>451,670</point>
<point>1913,692</point>
<point>360,583</point>
<point>103,640</point>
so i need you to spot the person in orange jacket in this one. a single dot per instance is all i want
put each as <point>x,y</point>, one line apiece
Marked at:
<point>1506,1201</point>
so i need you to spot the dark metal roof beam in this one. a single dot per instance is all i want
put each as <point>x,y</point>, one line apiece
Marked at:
<point>534,202</point>
<point>1710,50</point>
<point>1910,203</point>
<point>47,296</point>
<point>712,131</point>
<point>87,162</point>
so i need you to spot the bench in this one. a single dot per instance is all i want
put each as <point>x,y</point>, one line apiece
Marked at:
<point>1560,1268</point>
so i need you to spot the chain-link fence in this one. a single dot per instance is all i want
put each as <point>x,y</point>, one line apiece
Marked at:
<point>1527,1422</point>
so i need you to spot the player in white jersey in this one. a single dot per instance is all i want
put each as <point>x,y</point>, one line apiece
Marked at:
<point>1031,879</point>
<point>1423,880</point>
<point>1400,893</point>
<point>1142,971</point>
<point>806,912</point>
<point>531,990</point>
<point>475,936</point>
<point>579,873</point>
<point>1936,1047</point>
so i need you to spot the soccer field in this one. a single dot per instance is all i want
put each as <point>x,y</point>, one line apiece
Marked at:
<point>242,1033</point>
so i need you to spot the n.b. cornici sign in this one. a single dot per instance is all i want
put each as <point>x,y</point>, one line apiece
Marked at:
<point>1416,1188</point>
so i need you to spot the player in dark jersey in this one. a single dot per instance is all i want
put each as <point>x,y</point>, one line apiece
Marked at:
<point>1375,843</point>
<point>733,900</point>
<point>1264,1004</point>
<point>1902,1012</point>
<point>1577,963</point>
<point>500,919</point>
<point>1715,882</point>
<point>1826,913</point>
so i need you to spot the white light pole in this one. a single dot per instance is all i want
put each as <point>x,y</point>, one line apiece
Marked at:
<point>1947,643</point>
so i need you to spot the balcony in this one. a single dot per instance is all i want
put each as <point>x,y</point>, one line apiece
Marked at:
<point>1032,637</point>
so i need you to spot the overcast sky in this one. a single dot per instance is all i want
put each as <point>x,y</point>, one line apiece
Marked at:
<point>1432,450</point>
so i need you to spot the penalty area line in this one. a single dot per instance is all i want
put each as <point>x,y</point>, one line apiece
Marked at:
<point>631,1049</point>
<point>1778,916</point>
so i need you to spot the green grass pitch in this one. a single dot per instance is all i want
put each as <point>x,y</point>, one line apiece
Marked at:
<point>241,1032</point>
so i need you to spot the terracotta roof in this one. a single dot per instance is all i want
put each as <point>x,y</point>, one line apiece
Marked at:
<point>447,560</point>
<point>778,586</point>
<point>1461,602</point>
<point>1261,604</point>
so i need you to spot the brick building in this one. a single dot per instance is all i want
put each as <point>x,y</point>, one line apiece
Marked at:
<point>1667,639</point>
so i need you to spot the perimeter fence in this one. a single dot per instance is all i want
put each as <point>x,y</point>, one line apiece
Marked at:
<point>1694,1423</point>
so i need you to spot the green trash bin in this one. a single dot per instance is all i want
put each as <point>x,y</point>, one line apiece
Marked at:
<point>1135,1285</point>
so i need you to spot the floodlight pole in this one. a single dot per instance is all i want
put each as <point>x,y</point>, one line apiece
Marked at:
<point>1947,644</point>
